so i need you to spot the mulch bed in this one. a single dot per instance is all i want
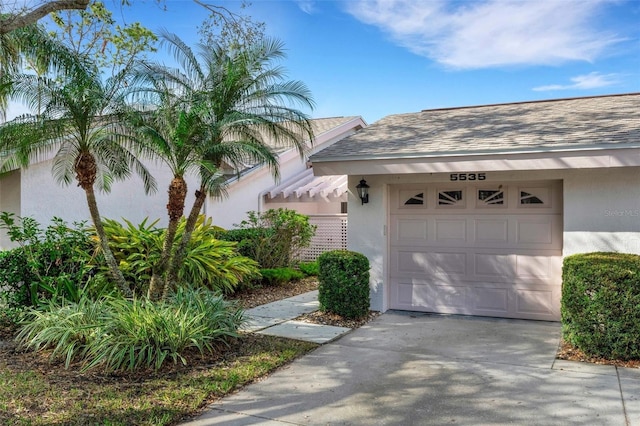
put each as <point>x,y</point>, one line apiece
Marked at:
<point>328,318</point>
<point>569,352</point>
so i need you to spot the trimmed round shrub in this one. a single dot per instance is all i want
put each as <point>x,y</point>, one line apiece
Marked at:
<point>344,283</point>
<point>601,304</point>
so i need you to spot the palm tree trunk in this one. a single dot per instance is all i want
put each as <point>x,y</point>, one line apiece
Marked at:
<point>86,169</point>
<point>115,271</point>
<point>175,209</point>
<point>180,252</point>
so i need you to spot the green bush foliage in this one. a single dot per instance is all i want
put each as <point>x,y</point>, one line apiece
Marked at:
<point>120,334</point>
<point>16,278</point>
<point>279,276</point>
<point>601,304</point>
<point>209,262</point>
<point>309,269</point>
<point>48,264</point>
<point>247,239</point>
<point>272,238</point>
<point>344,283</point>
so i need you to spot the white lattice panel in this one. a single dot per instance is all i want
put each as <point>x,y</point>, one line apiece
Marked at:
<point>331,234</point>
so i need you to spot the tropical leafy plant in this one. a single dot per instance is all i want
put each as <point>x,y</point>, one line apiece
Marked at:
<point>209,262</point>
<point>135,248</point>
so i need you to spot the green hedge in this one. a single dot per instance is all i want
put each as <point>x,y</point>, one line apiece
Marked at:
<point>344,283</point>
<point>601,304</point>
<point>279,276</point>
<point>309,269</point>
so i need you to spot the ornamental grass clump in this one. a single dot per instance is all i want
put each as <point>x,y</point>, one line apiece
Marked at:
<point>122,334</point>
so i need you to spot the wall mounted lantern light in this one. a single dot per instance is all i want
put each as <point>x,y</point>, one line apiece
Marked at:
<point>363,191</point>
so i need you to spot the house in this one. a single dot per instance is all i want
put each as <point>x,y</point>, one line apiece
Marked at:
<point>33,191</point>
<point>297,189</point>
<point>471,210</point>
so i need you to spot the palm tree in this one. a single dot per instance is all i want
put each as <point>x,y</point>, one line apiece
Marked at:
<point>236,105</point>
<point>80,119</point>
<point>33,44</point>
<point>172,133</point>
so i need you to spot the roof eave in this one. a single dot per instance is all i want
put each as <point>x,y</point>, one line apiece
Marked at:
<point>462,154</point>
<point>592,158</point>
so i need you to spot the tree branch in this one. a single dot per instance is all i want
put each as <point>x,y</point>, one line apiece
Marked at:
<point>14,22</point>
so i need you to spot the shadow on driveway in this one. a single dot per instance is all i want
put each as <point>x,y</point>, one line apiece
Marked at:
<point>419,369</point>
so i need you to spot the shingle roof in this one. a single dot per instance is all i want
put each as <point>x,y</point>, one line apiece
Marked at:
<point>527,126</point>
<point>319,127</point>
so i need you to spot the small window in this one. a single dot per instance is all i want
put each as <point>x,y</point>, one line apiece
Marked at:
<point>528,198</point>
<point>491,197</point>
<point>343,207</point>
<point>450,198</point>
<point>416,200</point>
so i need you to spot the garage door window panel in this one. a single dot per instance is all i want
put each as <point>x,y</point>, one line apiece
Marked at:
<point>530,197</point>
<point>412,199</point>
<point>448,198</point>
<point>492,197</point>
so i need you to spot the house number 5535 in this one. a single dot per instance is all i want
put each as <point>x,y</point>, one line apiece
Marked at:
<point>467,176</point>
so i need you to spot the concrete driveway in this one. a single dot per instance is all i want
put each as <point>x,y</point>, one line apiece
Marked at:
<point>419,369</point>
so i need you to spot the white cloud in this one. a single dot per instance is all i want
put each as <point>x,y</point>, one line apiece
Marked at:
<point>307,6</point>
<point>592,80</point>
<point>490,33</point>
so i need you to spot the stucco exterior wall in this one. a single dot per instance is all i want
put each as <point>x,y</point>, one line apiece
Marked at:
<point>367,232</point>
<point>43,198</point>
<point>9,202</point>
<point>601,212</point>
<point>246,194</point>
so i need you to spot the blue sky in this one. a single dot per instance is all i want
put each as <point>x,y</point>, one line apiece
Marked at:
<point>379,57</point>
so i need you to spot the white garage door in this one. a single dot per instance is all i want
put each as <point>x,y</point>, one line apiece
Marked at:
<point>477,249</point>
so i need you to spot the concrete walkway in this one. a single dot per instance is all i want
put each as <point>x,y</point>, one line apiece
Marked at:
<point>277,319</point>
<point>418,369</point>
